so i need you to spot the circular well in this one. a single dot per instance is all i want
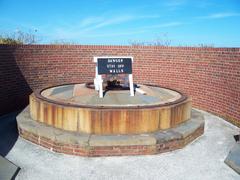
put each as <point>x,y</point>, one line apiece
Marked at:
<point>75,107</point>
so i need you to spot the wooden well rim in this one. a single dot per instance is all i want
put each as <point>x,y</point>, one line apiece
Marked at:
<point>109,120</point>
<point>38,95</point>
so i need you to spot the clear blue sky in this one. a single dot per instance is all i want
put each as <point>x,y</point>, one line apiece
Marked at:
<point>184,22</point>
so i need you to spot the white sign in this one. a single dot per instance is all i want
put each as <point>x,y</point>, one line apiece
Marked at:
<point>112,65</point>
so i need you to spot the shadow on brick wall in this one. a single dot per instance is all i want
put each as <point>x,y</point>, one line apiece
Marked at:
<point>14,89</point>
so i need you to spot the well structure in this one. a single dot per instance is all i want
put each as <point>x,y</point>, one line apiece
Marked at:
<point>75,107</point>
<point>72,119</point>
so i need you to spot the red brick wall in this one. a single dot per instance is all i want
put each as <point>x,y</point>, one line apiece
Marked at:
<point>210,75</point>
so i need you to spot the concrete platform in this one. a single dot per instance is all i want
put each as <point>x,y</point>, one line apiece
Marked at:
<point>201,159</point>
<point>8,137</point>
<point>8,170</point>
<point>233,158</point>
<point>84,144</point>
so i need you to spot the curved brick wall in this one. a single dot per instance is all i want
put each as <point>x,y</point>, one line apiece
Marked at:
<point>210,75</point>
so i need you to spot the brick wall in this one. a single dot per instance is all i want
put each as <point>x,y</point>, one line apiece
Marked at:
<point>210,75</point>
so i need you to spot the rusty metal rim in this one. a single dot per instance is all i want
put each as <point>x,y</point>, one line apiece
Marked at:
<point>37,94</point>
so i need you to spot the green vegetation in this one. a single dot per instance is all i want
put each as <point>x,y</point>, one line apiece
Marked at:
<point>18,37</point>
<point>161,40</point>
<point>164,40</point>
<point>8,40</point>
<point>62,42</point>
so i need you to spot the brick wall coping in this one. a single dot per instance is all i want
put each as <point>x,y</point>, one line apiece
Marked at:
<point>50,46</point>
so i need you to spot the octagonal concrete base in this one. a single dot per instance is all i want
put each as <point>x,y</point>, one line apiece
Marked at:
<point>81,144</point>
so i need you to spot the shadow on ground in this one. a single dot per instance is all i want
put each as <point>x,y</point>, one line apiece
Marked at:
<point>8,132</point>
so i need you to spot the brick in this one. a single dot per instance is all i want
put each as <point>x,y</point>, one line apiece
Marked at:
<point>209,75</point>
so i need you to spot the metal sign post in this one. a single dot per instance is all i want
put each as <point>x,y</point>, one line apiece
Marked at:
<point>130,76</point>
<point>112,65</point>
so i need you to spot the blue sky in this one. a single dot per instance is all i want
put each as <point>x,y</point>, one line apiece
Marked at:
<point>183,22</point>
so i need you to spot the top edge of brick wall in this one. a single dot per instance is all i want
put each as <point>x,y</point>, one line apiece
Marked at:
<point>118,46</point>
